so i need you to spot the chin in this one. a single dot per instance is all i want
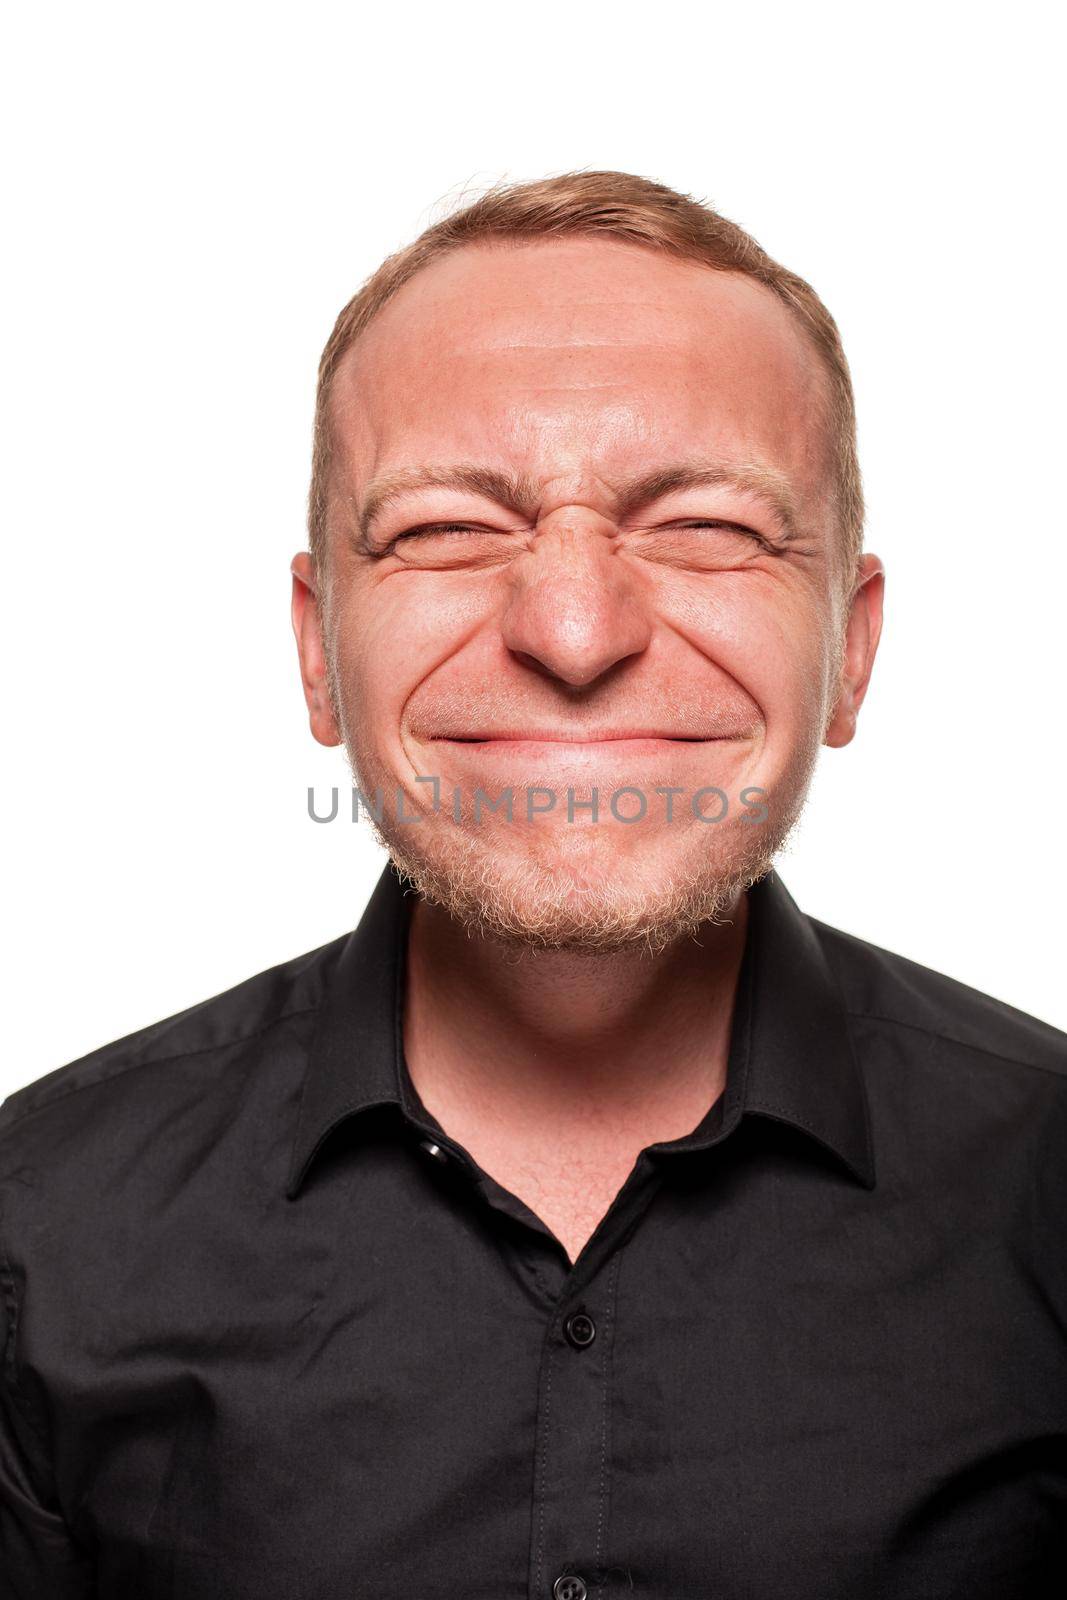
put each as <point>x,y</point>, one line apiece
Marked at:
<point>582,895</point>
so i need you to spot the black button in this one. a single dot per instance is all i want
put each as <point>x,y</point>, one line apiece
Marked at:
<point>435,1150</point>
<point>580,1330</point>
<point>569,1587</point>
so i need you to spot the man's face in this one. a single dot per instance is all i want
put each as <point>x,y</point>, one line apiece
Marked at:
<point>625,577</point>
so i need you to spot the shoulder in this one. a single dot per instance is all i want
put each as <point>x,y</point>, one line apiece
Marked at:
<point>889,996</point>
<point>118,1168</point>
<point>145,1076</point>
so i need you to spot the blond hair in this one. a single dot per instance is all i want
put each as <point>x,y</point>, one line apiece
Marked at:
<point>635,210</point>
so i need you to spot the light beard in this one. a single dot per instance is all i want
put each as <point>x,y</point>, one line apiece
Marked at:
<point>523,903</point>
<point>533,906</point>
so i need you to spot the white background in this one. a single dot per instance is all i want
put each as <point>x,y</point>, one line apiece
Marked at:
<point>193,193</point>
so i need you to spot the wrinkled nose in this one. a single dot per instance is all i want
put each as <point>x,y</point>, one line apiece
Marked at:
<point>576,612</point>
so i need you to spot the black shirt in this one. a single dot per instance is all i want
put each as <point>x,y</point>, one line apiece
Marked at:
<point>269,1333</point>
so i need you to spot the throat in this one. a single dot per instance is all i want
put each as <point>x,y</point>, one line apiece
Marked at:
<point>570,1190</point>
<point>556,1101</point>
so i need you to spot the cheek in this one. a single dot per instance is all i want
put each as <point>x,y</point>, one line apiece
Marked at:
<point>767,634</point>
<point>393,632</point>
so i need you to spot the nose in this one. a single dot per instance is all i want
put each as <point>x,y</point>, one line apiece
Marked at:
<point>575,611</point>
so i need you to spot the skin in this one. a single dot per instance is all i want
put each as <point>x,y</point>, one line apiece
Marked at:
<point>576,634</point>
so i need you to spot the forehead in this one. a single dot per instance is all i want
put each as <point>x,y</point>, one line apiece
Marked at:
<point>577,353</point>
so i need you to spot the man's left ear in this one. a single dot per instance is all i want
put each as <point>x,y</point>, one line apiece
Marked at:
<point>863,629</point>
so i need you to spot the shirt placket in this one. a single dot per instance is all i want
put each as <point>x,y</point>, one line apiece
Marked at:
<point>572,1462</point>
<point>572,1466</point>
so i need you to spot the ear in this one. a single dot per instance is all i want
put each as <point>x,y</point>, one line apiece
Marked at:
<point>310,643</point>
<point>863,629</point>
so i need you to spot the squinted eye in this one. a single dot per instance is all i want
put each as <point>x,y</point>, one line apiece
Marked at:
<point>449,544</point>
<point>438,527</point>
<point>715,524</point>
<point>702,544</point>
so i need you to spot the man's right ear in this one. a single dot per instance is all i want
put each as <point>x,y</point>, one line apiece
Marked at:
<point>307,626</point>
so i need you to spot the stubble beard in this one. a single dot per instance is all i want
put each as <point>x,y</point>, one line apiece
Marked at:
<point>572,899</point>
<point>522,902</point>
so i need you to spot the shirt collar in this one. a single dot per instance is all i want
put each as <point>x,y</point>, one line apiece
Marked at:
<point>791,1055</point>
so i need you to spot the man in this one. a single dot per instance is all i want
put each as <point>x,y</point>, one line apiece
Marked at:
<point>590,1221</point>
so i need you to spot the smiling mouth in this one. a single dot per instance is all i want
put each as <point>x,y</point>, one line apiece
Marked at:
<point>534,736</point>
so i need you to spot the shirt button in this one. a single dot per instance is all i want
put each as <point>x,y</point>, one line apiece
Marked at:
<point>580,1330</point>
<point>434,1150</point>
<point>569,1587</point>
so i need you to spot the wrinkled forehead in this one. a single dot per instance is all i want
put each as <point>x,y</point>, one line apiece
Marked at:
<point>580,353</point>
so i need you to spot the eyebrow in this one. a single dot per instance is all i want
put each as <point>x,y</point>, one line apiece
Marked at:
<point>519,493</point>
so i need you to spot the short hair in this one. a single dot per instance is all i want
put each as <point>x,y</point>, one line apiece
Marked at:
<point>637,211</point>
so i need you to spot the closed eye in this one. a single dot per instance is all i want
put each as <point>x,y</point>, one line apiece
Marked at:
<point>441,527</point>
<point>449,544</point>
<point>431,531</point>
<point>728,527</point>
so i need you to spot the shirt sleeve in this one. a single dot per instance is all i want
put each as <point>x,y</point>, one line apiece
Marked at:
<point>38,1557</point>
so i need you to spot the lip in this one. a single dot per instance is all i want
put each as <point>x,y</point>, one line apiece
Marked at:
<point>619,752</point>
<point>535,736</point>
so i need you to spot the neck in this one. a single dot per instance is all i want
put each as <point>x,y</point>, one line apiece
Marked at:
<point>554,1051</point>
